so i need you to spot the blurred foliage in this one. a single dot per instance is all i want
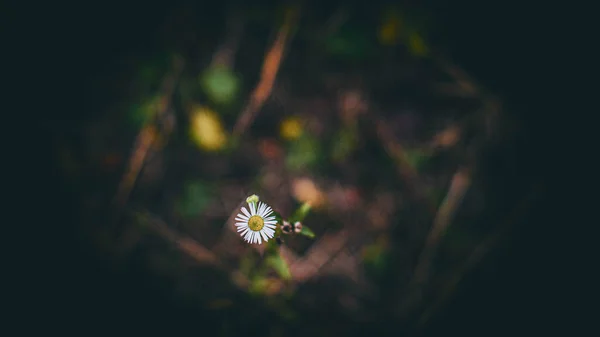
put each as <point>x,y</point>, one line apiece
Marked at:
<point>196,197</point>
<point>350,42</point>
<point>278,264</point>
<point>417,157</point>
<point>344,143</point>
<point>143,112</point>
<point>307,232</point>
<point>207,130</point>
<point>391,27</point>
<point>417,45</point>
<point>291,128</point>
<point>247,265</point>
<point>375,258</point>
<point>360,194</point>
<point>408,27</point>
<point>303,153</point>
<point>300,213</point>
<point>220,84</point>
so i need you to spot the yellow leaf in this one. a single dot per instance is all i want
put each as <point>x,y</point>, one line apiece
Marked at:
<point>207,129</point>
<point>417,45</point>
<point>290,128</point>
<point>389,32</point>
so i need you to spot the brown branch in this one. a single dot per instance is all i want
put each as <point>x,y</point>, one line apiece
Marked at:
<point>477,255</point>
<point>147,136</point>
<point>268,74</point>
<point>193,248</point>
<point>458,187</point>
<point>186,244</point>
<point>224,55</point>
<point>464,84</point>
<point>447,137</point>
<point>407,172</point>
<point>321,252</point>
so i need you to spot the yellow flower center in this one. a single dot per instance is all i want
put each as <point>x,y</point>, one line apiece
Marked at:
<point>256,223</point>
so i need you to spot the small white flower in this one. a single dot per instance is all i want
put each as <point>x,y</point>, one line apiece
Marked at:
<point>256,225</point>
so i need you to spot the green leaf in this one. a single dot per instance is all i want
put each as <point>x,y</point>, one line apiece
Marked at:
<point>141,113</point>
<point>417,157</point>
<point>196,198</point>
<point>247,264</point>
<point>350,43</point>
<point>374,257</point>
<point>271,247</point>
<point>220,84</point>
<point>258,285</point>
<point>303,153</point>
<point>344,143</point>
<point>307,232</point>
<point>300,213</point>
<point>280,266</point>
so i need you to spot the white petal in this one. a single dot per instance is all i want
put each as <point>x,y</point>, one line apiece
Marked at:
<point>270,222</point>
<point>260,208</point>
<point>241,223</point>
<point>269,232</point>
<point>245,211</point>
<point>270,226</point>
<point>248,235</point>
<point>259,239</point>
<point>252,209</point>
<point>264,236</point>
<point>270,218</point>
<point>242,217</point>
<point>244,231</point>
<point>268,210</point>
<point>264,210</point>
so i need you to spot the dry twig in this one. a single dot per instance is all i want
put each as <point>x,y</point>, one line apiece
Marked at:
<point>478,254</point>
<point>193,248</point>
<point>235,29</point>
<point>407,172</point>
<point>458,187</point>
<point>321,252</point>
<point>186,244</point>
<point>268,74</point>
<point>148,136</point>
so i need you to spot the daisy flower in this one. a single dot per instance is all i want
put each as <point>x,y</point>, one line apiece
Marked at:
<point>258,224</point>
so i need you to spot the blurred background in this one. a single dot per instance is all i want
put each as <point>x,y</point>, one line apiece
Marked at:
<point>408,126</point>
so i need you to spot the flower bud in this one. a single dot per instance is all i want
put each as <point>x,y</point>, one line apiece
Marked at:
<point>286,227</point>
<point>298,227</point>
<point>252,199</point>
